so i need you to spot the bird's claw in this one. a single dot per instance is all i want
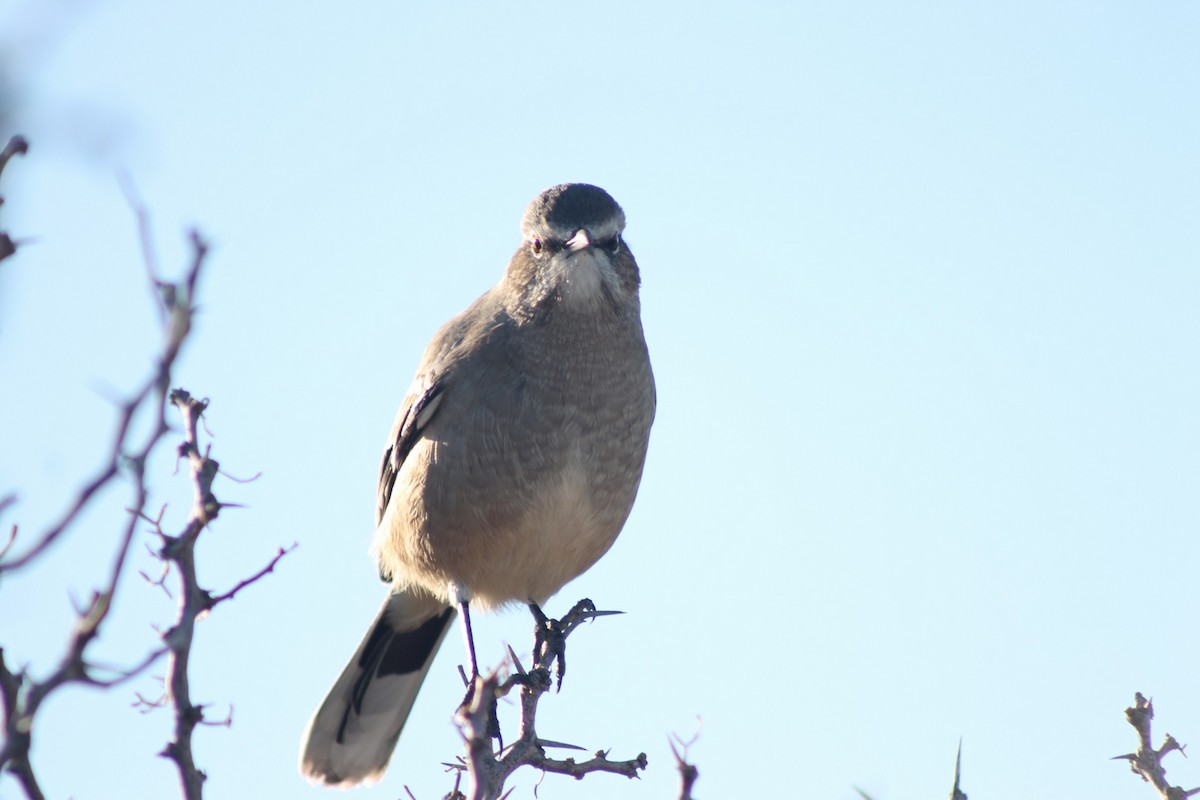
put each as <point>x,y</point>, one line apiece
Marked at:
<point>550,635</point>
<point>550,644</point>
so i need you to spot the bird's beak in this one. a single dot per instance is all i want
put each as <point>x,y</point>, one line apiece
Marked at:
<point>579,241</point>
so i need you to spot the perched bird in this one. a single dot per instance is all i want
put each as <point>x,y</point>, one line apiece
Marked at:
<point>511,467</point>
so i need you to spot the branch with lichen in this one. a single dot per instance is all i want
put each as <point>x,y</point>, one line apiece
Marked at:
<point>488,767</point>
<point>1147,760</point>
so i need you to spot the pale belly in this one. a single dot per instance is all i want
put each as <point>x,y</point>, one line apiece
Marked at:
<point>506,529</point>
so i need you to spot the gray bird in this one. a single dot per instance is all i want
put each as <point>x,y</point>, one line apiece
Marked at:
<point>511,467</point>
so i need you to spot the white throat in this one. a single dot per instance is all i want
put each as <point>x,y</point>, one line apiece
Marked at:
<point>579,279</point>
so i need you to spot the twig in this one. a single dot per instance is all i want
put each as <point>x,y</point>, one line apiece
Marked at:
<point>146,240</point>
<point>1147,761</point>
<point>242,584</point>
<point>123,675</point>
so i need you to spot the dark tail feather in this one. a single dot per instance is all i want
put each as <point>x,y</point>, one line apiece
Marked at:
<point>351,737</point>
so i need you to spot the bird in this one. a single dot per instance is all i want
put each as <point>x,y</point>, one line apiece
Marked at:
<point>511,467</point>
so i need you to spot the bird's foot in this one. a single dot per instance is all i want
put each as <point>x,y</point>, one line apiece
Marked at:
<point>550,635</point>
<point>550,643</point>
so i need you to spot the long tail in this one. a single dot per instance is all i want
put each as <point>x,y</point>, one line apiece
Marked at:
<point>351,737</point>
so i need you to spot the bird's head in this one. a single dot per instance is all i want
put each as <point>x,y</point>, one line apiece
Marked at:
<point>573,255</point>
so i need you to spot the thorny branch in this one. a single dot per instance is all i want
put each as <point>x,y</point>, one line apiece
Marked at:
<point>1147,761</point>
<point>194,601</point>
<point>490,769</point>
<point>21,694</point>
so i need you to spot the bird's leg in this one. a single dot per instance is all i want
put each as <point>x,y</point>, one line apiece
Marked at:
<point>493,725</point>
<point>465,607</point>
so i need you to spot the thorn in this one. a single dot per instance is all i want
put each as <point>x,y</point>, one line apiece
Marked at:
<point>560,745</point>
<point>594,614</point>
<point>515,660</point>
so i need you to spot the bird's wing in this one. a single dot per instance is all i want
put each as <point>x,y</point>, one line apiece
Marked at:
<point>461,341</point>
<point>418,408</point>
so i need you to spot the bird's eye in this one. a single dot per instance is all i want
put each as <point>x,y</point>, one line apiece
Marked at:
<point>536,247</point>
<point>613,245</point>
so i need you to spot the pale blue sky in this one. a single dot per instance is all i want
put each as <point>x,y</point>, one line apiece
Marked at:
<point>921,285</point>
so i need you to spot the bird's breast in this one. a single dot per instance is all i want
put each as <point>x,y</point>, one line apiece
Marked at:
<point>524,487</point>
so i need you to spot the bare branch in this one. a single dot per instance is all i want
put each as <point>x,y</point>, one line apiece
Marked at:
<point>146,239</point>
<point>1147,761</point>
<point>194,601</point>
<point>476,719</point>
<point>27,695</point>
<point>220,723</point>
<point>145,705</point>
<point>242,584</point>
<point>236,479</point>
<point>22,695</point>
<point>161,580</point>
<point>123,675</point>
<point>107,473</point>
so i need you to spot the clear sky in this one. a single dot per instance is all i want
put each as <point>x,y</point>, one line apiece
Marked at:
<point>921,288</point>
